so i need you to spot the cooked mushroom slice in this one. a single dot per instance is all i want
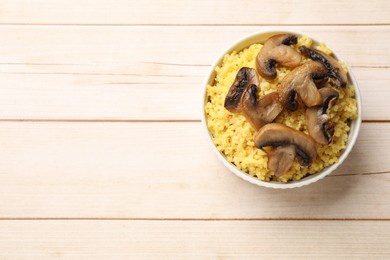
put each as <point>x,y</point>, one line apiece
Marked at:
<point>300,82</point>
<point>260,111</point>
<point>317,120</point>
<point>244,78</point>
<point>281,159</point>
<point>337,75</point>
<point>329,96</point>
<point>275,135</point>
<point>276,50</point>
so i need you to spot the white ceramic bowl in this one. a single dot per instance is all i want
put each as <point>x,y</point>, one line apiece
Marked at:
<point>261,37</point>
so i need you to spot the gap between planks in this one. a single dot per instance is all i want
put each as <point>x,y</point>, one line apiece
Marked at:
<point>190,219</point>
<point>187,24</point>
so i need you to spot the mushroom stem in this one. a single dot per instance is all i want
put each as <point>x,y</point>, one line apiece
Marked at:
<point>281,159</point>
<point>260,111</point>
<point>317,121</point>
<point>278,135</point>
<point>300,82</point>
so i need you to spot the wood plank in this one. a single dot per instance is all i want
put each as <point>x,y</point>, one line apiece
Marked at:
<point>61,74</point>
<point>123,49</point>
<point>167,170</point>
<point>194,239</point>
<point>194,12</point>
<point>160,97</point>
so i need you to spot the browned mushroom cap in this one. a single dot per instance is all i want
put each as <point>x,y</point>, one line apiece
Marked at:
<point>337,75</point>
<point>317,120</point>
<point>260,111</point>
<point>275,134</point>
<point>276,50</point>
<point>244,78</point>
<point>301,82</point>
<point>281,159</point>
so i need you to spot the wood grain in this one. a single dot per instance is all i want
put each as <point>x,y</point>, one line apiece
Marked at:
<point>194,239</point>
<point>88,73</point>
<point>103,156</point>
<point>124,50</point>
<point>138,97</point>
<point>167,170</point>
<point>147,12</point>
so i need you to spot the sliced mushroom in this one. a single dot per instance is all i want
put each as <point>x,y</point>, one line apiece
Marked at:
<point>337,75</point>
<point>276,50</point>
<point>281,159</point>
<point>244,78</point>
<point>317,120</point>
<point>278,135</point>
<point>301,82</point>
<point>260,111</point>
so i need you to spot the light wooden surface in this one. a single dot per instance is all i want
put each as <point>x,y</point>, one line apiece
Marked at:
<point>119,239</point>
<point>103,155</point>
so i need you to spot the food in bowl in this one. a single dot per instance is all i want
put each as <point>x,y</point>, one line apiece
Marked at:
<point>281,110</point>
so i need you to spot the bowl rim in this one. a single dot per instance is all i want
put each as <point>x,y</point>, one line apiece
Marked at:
<point>352,135</point>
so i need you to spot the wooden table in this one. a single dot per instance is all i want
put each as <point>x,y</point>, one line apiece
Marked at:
<point>102,151</point>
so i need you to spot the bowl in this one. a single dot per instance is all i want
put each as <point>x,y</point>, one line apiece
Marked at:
<point>261,37</point>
